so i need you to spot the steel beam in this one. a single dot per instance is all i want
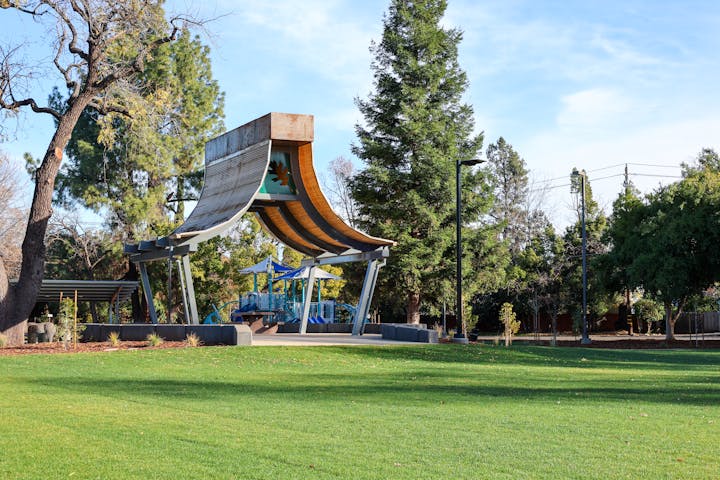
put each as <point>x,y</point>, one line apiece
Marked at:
<point>184,290</point>
<point>159,253</point>
<point>307,300</point>
<point>366,294</point>
<point>148,292</point>
<point>190,290</point>
<point>380,253</point>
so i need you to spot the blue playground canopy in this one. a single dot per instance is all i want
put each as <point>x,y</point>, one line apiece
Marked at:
<point>269,264</point>
<point>304,273</point>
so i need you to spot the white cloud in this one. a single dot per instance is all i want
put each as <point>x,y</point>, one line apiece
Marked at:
<point>593,108</point>
<point>318,36</point>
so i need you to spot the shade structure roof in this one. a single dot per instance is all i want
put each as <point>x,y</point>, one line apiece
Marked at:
<point>87,290</point>
<point>267,265</point>
<point>265,167</point>
<point>304,273</point>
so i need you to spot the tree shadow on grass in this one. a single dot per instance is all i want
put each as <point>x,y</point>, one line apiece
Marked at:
<point>398,388</point>
<point>546,356</point>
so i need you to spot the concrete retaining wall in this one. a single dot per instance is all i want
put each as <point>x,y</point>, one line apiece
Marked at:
<point>235,334</point>
<point>406,332</point>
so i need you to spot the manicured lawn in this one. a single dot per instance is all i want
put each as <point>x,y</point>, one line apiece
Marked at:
<point>442,412</point>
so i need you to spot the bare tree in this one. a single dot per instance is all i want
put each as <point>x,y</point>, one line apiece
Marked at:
<point>341,170</point>
<point>100,46</point>
<point>12,216</point>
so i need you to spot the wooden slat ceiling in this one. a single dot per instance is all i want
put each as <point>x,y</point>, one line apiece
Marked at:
<point>87,290</point>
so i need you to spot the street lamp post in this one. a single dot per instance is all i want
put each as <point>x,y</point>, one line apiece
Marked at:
<point>459,336</point>
<point>579,177</point>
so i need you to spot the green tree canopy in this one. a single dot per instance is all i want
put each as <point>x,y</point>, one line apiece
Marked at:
<point>416,129</point>
<point>667,243</point>
<point>134,169</point>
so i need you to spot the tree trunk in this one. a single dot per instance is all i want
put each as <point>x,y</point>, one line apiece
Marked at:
<point>669,322</point>
<point>14,333</point>
<point>413,307</point>
<point>14,305</point>
<point>629,317</point>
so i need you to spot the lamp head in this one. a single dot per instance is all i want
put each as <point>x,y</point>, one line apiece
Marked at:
<point>472,161</point>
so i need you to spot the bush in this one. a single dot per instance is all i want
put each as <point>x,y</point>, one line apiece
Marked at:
<point>68,331</point>
<point>3,340</point>
<point>192,340</point>
<point>512,325</point>
<point>154,340</point>
<point>114,339</point>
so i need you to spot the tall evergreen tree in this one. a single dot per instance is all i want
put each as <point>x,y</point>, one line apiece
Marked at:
<point>416,130</point>
<point>509,179</point>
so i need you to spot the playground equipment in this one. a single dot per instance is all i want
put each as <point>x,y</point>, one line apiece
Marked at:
<point>265,167</point>
<point>216,316</point>
<point>285,306</point>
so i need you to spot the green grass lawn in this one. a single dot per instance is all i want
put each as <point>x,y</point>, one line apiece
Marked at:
<point>442,412</point>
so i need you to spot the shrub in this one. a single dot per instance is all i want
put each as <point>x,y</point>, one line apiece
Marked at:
<point>154,340</point>
<point>68,331</point>
<point>192,340</point>
<point>114,339</point>
<point>3,340</point>
<point>512,325</point>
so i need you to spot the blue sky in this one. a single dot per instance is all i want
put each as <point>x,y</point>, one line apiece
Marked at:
<point>591,84</point>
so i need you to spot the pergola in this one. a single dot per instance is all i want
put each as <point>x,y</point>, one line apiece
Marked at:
<point>266,167</point>
<point>113,292</point>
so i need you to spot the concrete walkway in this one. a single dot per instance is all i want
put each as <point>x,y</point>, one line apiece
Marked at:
<point>318,339</point>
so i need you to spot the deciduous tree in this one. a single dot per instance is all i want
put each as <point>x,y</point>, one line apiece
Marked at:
<point>99,49</point>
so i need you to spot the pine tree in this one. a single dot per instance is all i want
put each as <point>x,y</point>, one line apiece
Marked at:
<point>128,167</point>
<point>416,129</point>
<point>509,179</point>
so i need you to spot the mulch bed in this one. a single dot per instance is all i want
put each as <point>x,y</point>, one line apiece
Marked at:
<point>58,347</point>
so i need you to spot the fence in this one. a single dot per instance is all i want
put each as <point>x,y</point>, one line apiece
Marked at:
<point>698,322</point>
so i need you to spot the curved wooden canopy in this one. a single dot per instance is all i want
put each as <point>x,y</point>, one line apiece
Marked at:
<point>266,167</point>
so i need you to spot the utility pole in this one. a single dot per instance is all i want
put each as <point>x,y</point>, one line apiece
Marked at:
<point>579,177</point>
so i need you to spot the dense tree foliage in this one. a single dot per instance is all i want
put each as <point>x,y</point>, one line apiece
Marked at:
<point>671,251</point>
<point>99,48</point>
<point>138,171</point>
<point>416,129</point>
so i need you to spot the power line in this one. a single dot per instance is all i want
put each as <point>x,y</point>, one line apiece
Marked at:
<point>654,175</point>
<point>654,165</point>
<point>550,180</point>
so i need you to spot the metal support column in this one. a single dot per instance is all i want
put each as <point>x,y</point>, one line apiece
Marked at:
<point>184,290</point>
<point>307,300</point>
<point>190,290</point>
<point>147,291</point>
<point>366,294</point>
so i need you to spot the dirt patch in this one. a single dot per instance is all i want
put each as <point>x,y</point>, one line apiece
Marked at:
<point>58,347</point>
